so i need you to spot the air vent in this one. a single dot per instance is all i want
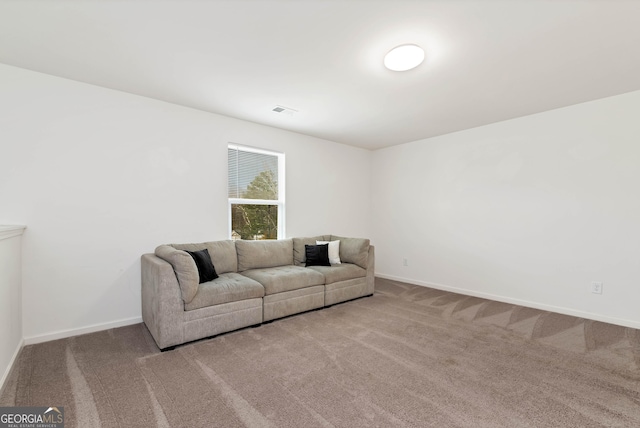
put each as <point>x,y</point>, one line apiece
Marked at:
<point>284,110</point>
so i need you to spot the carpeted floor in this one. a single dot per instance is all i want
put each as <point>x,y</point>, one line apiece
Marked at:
<point>407,357</point>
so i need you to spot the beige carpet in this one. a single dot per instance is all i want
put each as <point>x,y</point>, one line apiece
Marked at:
<point>407,357</point>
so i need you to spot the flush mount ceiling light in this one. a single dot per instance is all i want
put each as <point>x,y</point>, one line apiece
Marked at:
<point>404,57</point>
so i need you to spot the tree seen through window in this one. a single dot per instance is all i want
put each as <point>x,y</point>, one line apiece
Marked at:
<point>257,221</point>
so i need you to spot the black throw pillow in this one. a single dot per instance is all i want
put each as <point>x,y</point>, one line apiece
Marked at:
<point>205,266</point>
<point>317,255</point>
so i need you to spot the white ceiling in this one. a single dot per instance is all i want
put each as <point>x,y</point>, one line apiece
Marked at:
<point>486,61</point>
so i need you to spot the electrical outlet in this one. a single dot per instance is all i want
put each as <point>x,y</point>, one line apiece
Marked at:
<point>405,262</point>
<point>596,287</point>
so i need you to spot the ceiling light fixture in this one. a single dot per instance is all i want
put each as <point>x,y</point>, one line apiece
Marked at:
<point>404,57</point>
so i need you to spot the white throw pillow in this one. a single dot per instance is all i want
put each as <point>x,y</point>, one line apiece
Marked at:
<point>334,251</point>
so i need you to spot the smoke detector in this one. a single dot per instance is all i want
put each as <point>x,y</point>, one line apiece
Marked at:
<point>284,110</point>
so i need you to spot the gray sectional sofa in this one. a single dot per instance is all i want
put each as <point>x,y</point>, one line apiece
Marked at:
<point>258,281</point>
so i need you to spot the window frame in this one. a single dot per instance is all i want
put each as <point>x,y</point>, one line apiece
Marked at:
<point>280,202</point>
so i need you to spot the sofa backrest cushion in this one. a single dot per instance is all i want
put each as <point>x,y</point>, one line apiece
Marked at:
<point>264,254</point>
<point>353,250</point>
<point>185,268</point>
<point>299,257</point>
<point>223,254</point>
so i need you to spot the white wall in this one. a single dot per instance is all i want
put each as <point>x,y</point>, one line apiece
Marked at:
<point>10,297</point>
<point>102,177</point>
<point>530,210</point>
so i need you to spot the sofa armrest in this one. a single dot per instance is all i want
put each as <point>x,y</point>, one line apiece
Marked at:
<point>162,304</point>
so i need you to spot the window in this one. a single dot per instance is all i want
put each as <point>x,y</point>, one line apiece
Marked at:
<point>256,193</point>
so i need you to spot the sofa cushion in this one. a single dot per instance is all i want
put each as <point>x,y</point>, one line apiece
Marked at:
<point>317,255</point>
<point>223,254</point>
<point>334,251</point>
<point>206,270</point>
<point>353,250</point>
<point>228,287</point>
<point>299,257</point>
<point>185,269</point>
<point>341,272</point>
<point>264,254</point>
<point>285,278</point>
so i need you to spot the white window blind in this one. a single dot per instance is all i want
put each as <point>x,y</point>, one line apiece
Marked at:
<point>252,175</point>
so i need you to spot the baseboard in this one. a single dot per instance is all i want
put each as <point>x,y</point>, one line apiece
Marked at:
<point>5,375</point>
<point>78,331</point>
<point>526,303</point>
